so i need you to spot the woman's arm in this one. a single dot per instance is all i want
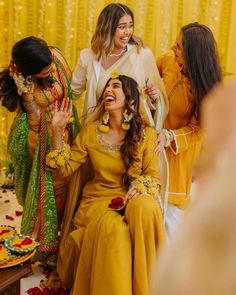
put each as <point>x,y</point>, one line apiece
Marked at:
<point>61,156</point>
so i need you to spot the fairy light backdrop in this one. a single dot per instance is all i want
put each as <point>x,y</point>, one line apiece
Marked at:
<point>69,24</point>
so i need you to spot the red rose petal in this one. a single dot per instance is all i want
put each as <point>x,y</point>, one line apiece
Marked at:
<point>5,231</point>
<point>27,241</point>
<point>16,245</point>
<point>19,213</point>
<point>116,203</point>
<point>9,217</point>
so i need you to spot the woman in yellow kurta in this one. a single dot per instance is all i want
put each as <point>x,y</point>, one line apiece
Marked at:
<point>111,252</point>
<point>189,73</point>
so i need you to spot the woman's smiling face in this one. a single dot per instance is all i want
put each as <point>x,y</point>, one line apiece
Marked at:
<point>113,96</point>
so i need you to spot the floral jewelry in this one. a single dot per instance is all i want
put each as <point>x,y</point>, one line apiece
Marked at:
<point>58,158</point>
<point>24,85</point>
<point>114,74</point>
<point>146,185</point>
<point>127,118</point>
<point>104,127</point>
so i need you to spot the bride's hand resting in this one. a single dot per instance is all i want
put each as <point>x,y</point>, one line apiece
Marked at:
<point>131,193</point>
<point>62,114</point>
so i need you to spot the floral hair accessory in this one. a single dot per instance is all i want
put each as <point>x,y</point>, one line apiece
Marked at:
<point>146,185</point>
<point>115,74</point>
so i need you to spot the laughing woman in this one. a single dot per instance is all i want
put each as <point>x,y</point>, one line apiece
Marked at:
<point>189,73</point>
<point>114,46</point>
<point>104,251</point>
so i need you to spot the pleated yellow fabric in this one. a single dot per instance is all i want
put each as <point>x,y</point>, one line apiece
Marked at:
<point>114,254</point>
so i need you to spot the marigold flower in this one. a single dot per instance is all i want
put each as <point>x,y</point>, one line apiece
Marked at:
<point>115,74</point>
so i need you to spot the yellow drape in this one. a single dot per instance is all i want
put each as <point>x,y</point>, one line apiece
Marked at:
<point>69,24</point>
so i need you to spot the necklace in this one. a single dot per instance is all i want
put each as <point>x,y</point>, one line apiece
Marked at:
<point>118,54</point>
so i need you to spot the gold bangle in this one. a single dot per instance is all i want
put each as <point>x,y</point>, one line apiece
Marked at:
<point>167,136</point>
<point>29,102</point>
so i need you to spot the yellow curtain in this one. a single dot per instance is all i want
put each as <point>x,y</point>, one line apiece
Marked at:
<point>69,25</point>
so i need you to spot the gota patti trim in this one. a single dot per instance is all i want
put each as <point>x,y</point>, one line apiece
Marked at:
<point>114,148</point>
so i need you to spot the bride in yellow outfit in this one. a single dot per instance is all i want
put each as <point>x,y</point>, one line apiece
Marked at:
<point>105,250</point>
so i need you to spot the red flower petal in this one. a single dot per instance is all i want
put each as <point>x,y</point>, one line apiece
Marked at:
<point>114,206</point>
<point>116,203</point>
<point>16,245</point>
<point>27,241</point>
<point>9,217</point>
<point>19,213</point>
<point>5,231</point>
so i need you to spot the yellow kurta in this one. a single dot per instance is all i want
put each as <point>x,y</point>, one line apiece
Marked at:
<point>108,253</point>
<point>184,151</point>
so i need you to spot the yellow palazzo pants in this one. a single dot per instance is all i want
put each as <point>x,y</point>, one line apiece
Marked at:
<point>110,254</point>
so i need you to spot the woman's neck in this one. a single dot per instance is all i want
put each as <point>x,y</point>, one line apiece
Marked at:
<point>117,51</point>
<point>116,120</point>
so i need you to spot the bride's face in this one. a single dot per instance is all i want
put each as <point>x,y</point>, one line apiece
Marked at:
<point>113,96</point>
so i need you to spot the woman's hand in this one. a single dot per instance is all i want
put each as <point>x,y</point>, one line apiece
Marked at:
<point>131,193</point>
<point>62,114</point>
<point>152,91</point>
<point>161,142</point>
<point>24,85</point>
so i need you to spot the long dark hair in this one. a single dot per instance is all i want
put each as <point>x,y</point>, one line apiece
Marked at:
<point>202,62</point>
<point>108,21</point>
<point>30,55</point>
<point>135,133</point>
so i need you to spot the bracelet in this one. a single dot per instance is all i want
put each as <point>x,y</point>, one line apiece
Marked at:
<point>29,102</point>
<point>146,185</point>
<point>59,158</point>
<point>167,136</point>
<point>155,97</point>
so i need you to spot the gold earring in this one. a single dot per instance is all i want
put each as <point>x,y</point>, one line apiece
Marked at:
<point>104,127</point>
<point>127,118</point>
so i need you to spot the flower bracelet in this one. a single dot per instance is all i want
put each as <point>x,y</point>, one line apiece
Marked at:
<point>146,185</point>
<point>58,158</point>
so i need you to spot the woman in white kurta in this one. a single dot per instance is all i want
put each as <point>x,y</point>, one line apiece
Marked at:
<point>114,47</point>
